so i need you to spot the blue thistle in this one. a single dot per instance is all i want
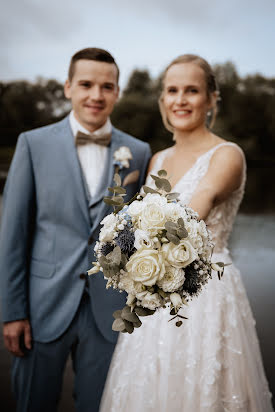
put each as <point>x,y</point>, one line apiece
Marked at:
<point>125,241</point>
<point>106,248</point>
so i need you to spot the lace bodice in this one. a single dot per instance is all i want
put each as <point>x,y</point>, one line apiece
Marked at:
<point>221,217</point>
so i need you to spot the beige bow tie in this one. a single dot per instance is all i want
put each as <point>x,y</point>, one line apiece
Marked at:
<point>83,138</point>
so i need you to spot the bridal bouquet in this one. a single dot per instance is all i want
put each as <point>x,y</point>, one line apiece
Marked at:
<point>155,249</point>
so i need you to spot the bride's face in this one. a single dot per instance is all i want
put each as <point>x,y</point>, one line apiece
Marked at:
<point>185,97</point>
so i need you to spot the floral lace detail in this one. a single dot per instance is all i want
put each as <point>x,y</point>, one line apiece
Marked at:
<point>212,363</point>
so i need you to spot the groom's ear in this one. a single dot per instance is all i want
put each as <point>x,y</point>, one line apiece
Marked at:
<point>67,89</point>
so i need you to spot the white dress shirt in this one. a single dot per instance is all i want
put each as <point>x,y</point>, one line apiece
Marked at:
<point>92,156</point>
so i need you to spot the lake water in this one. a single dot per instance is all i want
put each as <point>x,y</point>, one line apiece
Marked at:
<point>252,246</point>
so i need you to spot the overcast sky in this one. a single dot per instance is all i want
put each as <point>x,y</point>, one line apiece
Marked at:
<point>38,37</point>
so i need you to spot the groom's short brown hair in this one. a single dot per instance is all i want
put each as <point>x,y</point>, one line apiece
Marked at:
<point>91,53</point>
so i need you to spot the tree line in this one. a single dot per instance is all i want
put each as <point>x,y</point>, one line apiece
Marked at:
<point>246,116</point>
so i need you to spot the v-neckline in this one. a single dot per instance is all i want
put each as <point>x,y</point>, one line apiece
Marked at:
<point>191,167</point>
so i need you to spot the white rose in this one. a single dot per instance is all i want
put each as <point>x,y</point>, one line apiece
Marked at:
<point>176,301</point>
<point>153,215</point>
<point>142,239</point>
<point>172,280</point>
<point>135,208</point>
<point>180,255</point>
<point>151,301</point>
<point>146,266</point>
<point>109,225</point>
<point>174,211</point>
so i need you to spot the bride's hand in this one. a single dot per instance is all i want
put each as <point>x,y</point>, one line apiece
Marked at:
<point>224,176</point>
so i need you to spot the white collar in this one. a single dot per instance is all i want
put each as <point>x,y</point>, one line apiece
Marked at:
<point>77,127</point>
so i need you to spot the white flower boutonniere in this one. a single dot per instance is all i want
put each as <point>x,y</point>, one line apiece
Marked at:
<point>122,157</point>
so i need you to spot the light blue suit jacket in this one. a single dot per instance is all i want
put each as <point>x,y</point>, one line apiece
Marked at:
<point>46,226</point>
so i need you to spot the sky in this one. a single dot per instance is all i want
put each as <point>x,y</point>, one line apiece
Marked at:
<point>38,38</point>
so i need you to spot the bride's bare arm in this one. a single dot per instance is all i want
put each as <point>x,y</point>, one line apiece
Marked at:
<point>223,177</point>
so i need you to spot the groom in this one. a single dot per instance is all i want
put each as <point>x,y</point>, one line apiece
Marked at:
<point>53,205</point>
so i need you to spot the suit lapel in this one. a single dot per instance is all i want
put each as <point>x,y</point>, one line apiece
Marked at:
<point>107,179</point>
<point>73,168</point>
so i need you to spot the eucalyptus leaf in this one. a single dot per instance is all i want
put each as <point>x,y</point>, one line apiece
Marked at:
<point>114,200</point>
<point>148,189</point>
<point>173,196</point>
<point>117,314</point>
<point>162,172</point>
<point>117,179</point>
<point>182,233</point>
<point>114,257</point>
<point>173,238</point>
<point>118,325</point>
<point>170,226</point>
<point>137,324</point>
<point>181,222</point>
<point>119,189</point>
<point>117,200</point>
<point>143,311</point>
<point>163,184</point>
<point>128,326</point>
<point>128,315</point>
<point>103,262</point>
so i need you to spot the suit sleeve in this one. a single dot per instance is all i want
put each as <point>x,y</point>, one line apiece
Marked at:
<point>15,234</point>
<point>145,163</point>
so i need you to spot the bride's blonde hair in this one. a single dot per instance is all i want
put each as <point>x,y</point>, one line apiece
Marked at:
<point>211,86</point>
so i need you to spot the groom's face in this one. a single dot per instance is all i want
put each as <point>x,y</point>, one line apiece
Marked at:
<point>93,91</point>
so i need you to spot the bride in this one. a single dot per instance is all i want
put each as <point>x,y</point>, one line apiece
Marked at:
<point>212,363</point>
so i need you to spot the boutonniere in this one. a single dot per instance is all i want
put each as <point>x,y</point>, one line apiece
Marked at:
<point>122,157</point>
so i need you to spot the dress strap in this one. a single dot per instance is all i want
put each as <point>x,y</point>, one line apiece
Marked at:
<point>211,151</point>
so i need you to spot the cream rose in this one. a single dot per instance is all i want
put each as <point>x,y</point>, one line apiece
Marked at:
<point>153,215</point>
<point>180,255</point>
<point>135,208</point>
<point>146,266</point>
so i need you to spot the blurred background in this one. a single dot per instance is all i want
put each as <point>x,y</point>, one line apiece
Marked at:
<point>37,42</point>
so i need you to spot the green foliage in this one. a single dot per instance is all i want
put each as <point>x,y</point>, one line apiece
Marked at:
<point>175,231</point>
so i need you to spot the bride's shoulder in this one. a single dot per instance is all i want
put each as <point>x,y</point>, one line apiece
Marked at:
<point>227,166</point>
<point>226,152</point>
<point>157,157</point>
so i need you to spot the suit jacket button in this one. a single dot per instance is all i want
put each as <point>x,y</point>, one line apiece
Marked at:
<point>90,240</point>
<point>82,276</point>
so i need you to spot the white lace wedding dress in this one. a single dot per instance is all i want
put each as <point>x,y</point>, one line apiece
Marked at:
<point>212,363</point>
